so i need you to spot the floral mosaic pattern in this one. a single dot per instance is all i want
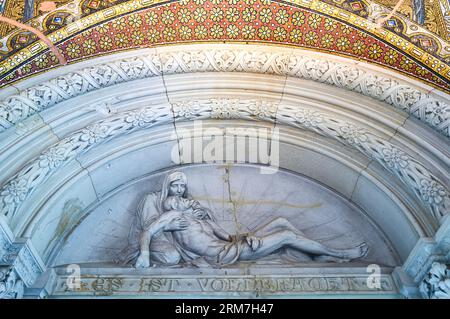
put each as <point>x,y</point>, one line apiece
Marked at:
<point>232,20</point>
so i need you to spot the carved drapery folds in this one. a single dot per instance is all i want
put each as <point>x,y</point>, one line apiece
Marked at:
<point>436,284</point>
<point>420,104</point>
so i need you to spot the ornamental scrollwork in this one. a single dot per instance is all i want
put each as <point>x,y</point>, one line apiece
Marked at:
<point>422,105</point>
<point>426,186</point>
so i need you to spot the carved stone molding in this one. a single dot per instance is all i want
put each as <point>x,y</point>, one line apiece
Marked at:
<point>8,251</point>
<point>19,256</point>
<point>428,251</point>
<point>426,107</point>
<point>106,283</point>
<point>27,266</point>
<point>414,175</point>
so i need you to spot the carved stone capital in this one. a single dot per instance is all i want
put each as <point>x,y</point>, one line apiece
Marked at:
<point>423,263</point>
<point>11,286</point>
<point>436,284</point>
<point>20,264</point>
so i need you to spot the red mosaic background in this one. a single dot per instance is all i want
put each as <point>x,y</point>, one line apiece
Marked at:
<point>233,20</point>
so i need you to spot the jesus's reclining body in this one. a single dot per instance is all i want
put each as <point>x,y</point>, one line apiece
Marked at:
<point>198,234</point>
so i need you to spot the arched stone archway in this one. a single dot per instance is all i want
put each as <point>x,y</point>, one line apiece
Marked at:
<point>81,143</point>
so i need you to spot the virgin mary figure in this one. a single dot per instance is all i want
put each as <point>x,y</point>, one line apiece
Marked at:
<point>166,235</point>
<point>163,250</point>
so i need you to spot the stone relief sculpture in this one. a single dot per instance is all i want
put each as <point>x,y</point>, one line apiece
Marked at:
<point>11,286</point>
<point>436,284</point>
<point>174,228</point>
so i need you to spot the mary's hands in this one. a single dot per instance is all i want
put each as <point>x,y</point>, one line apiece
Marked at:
<point>143,260</point>
<point>178,223</point>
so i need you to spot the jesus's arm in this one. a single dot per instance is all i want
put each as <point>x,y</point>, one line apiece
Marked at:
<point>164,222</point>
<point>219,231</point>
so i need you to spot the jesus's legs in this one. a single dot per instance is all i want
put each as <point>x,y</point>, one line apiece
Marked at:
<point>288,238</point>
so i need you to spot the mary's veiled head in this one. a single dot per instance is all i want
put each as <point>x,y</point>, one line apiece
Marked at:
<point>177,188</point>
<point>175,184</point>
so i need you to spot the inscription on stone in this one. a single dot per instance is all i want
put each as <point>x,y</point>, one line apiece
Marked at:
<point>101,285</point>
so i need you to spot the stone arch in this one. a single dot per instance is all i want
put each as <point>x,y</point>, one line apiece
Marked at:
<point>393,157</point>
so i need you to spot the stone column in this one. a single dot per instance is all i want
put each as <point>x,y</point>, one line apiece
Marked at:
<point>426,272</point>
<point>20,265</point>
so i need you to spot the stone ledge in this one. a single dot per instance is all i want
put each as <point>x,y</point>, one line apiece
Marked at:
<point>125,282</point>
